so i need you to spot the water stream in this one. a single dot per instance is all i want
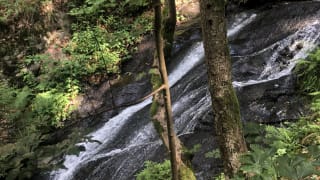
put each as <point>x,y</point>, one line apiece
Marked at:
<point>129,138</point>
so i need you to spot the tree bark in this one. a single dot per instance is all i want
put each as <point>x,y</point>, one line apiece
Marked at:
<point>170,22</point>
<point>227,123</point>
<point>175,160</point>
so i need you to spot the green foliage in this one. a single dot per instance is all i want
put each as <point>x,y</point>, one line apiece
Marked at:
<point>213,154</point>
<point>45,100</point>
<point>94,8</point>
<point>108,30</point>
<point>286,153</point>
<point>19,8</point>
<point>47,97</point>
<point>220,177</point>
<point>185,173</point>
<point>91,50</point>
<point>191,151</point>
<point>292,151</point>
<point>6,96</point>
<point>112,35</point>
<point>27,156</point>
<point>104,33</point>
<point>299,166</point>
<point>155,171</point>
<point>156,80</point>
<point>17,161</point>
<point>33,112</point>
<point>162,171</point>
<point>258,163</point>
<point>51,106</point>
<point>315,105</point>
<point>308,72</point>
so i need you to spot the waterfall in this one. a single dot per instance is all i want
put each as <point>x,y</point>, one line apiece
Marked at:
<point>190,102</point>
<point>307,38</point>
<point>110,129</point>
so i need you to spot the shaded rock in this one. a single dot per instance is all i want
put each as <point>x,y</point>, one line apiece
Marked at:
<point>294,16</point>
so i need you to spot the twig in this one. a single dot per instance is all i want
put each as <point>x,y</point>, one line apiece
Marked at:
<point>102,110</point>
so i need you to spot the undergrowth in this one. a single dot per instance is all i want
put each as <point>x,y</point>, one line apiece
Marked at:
<point>155,171</point>
<point>291,151</point>
<point>104,35</point>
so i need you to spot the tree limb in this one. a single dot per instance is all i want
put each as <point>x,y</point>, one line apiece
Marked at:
<point>102,110</point>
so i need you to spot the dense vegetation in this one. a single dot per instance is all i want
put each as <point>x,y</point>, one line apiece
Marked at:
<point>42,94</point>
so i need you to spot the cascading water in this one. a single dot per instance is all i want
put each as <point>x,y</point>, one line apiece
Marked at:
<point>110,130</point>
<point>129,138</point>
<point>298,45</point>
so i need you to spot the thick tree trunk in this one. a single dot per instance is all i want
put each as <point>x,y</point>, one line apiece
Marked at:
<point>174,156</point>
<point>227,124</point>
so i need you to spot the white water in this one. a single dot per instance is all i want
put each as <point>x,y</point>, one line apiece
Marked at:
<point>186,118</point>
<point>110,129</point>
<point>241,21</point>
<point>192,58</point>
<point>271,71</point>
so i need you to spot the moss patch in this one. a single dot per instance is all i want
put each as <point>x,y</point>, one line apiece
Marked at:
<point>186,173</point>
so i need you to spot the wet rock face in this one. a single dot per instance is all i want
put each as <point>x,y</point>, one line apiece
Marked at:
<point>263,55</point>
<point>274,41</point>
<point>132,92</point>
<point>123,165</point>
<point>273,25</point>
<point>259,3</point>
<point>271,102</point>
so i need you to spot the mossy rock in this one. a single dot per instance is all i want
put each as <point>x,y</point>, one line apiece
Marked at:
<point>186,173</point>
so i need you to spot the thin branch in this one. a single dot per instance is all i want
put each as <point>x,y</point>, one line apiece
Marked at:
<point>102,110</point>
<point>106,109</point>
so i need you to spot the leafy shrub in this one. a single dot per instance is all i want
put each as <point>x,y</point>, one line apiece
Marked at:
<point>155,171</point>
<point>91,49</point>
<point>29,155</point>
<point>18,160</point>
<point>308,72</point>
<point>103,36</point>
<point>17,101</point>
<point>7,96</point>
<point>107,30</point>
<point>162,171</point>
<point>291,152</point>
<point>45,100</point>
<point>18,8</point>
<point>51,107</point>
<point>94,8</point>
<point>315,105</point>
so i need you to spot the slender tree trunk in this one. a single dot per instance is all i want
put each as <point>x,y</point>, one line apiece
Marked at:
<point>161,110</point>
<point>227,124</point>
<point>175,161</point>
<point>170,22</point>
